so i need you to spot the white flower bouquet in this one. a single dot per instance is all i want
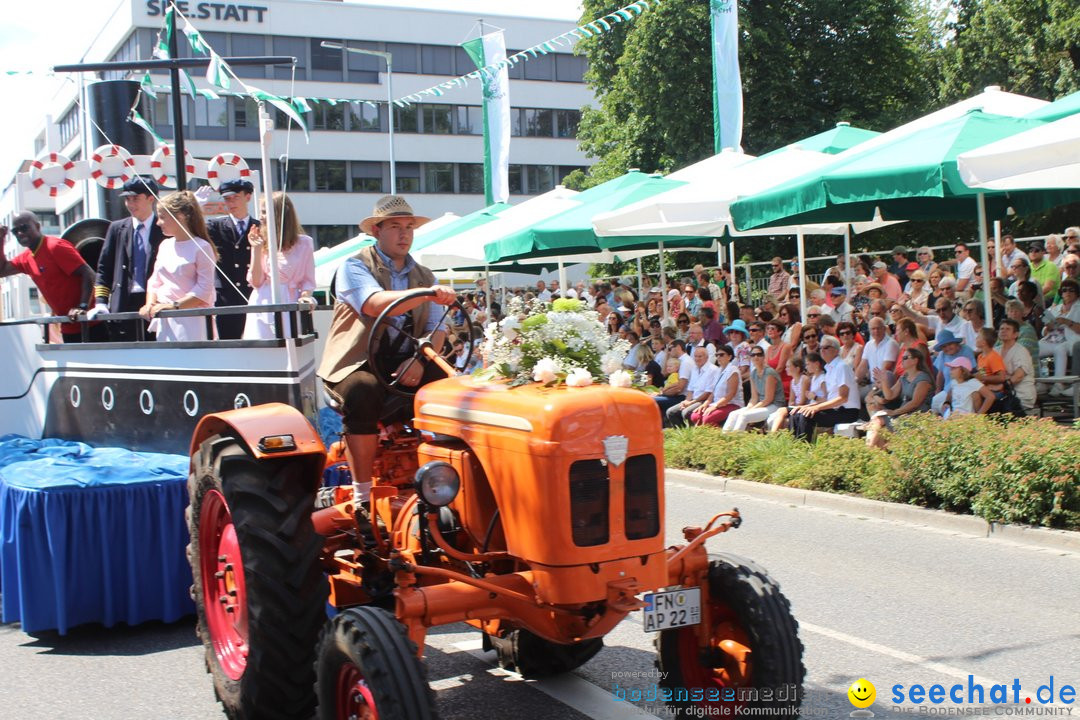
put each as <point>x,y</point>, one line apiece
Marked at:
<point>560,343</point>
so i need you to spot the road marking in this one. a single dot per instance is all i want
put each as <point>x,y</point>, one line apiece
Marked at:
<point>450,682</point>
<point>569,689</point>
<point>941,668</point>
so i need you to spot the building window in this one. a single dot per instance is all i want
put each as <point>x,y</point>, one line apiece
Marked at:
<point>406,57</point>
<point>298,176</point>
<point>470,120</point>
<point>408,177</point>
<point>364,117</point>
<point>363,68</point>
<point>245,119</point>
<point>249,46</point>
<point>295,47</point>
<point>326,63</point>
<point>327,116</point>
<point>538,123</point>
<point>569,68</point>
<point>541,67</point>
<point>566,123</point>
<point>540,178</point>
<point>471,178</point>
<point>367,177</point>
<point>211,119</point>
<point>406,119</point>
<point>515,180</point>
<point>462,62</point>
<point>517,126</point>
<point>329,175</point>
<point>436,60</point>
<point>439,177</point>
<point>69,125</point>
<point>329,235</point>
<point>516,71</point>
<point>438,119</point>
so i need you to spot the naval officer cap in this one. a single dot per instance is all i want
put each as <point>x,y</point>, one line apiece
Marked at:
<point>232,187</point>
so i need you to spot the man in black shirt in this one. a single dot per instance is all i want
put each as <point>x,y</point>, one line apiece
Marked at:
<point>230,234</point>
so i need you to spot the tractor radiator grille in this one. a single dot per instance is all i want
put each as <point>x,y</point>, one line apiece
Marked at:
<point>642,500</point>
<point>589,491</point>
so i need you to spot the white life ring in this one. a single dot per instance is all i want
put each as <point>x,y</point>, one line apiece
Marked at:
<point>113,154</point>
<point>159,171</point>
<point>226,166</point>
<point>47,167</point>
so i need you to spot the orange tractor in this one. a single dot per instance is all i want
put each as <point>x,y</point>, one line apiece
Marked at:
<point>533,513</point>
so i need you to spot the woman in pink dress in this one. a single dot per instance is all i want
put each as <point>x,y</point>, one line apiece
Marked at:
<point>296,269</point>
<point>183,277</point>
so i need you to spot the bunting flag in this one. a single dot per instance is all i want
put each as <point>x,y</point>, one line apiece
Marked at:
<point>139,120</point>
<point>490,51</point>
<point>198,45</point>
<point>161,49</point>
<point>727,84</point>
<point>598,26</point>
<point>215,72</point>
<point>189,82</point>
<point>146,85</point>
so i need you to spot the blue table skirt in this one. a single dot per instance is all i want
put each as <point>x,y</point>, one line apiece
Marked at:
<point>91,535</point>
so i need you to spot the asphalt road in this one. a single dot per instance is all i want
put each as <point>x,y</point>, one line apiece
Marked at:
<point>889,602</point>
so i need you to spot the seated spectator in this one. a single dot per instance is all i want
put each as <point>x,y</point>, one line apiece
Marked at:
<point>691,301</point>
<point>766,394</point>
<point>887,281</point>
<point>925,257</point>
<point>777,352</point>
<point>842,310</point>
<point>967,396</point>
<point>675,393</point>
<point>913,387</point>
<point>632,361</point>
<point>676,306</point>
<point>727,393</point>
<point>795,395</point>
<point>811,341</point>
<point>1062,329</point>
<point>850,351</point>
<point>737,333</point>
<point>878,358</point>
<point>183,276</point>
<point>908,337</point>
<point>919,293</point>
<point>695,338</point>
<point>460,354</point>
<point>1029,339</point>
<point>698,391</point>
<point>1019,370</point>
<point>1021,273</point>
<point>654,369</point>
<point>682,325</point>
<point>827,325</point>
<point>790,318</point>
<point>654,306</point>
<point>990,368</point>
<point>712,330</point>
<point>948,347</point>
<point>757,335</point>
<point>842,401</point>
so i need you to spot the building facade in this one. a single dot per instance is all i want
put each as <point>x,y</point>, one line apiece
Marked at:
<point>336,176</point>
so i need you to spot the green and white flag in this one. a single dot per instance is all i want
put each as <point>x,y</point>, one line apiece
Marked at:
<point>215,72</point>
<point>161,48</point>
<point>727,84</point>
<point>487,51</point>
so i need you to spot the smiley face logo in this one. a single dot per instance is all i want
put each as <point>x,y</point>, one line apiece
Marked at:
<point>862,693</point>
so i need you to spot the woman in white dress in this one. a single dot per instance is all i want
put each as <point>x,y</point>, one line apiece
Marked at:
<point>183,276</point>
<point>296,269</point>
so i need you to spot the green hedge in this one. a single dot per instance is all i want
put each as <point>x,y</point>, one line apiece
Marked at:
<point>1020,471</point>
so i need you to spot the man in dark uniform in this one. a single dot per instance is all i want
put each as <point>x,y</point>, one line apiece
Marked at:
<point>230,234</point>
<point>127,257</point>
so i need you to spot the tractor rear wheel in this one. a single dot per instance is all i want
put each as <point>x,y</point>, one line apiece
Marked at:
<point>754,656</point>
<point>532,656</point>
<point>368,669</point>
<point>259,590</point>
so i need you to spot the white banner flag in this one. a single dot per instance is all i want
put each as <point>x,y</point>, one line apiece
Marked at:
<point>727,84</point>
<point>490,51</point>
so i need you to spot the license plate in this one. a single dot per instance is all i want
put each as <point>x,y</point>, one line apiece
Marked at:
<point>672,609</point>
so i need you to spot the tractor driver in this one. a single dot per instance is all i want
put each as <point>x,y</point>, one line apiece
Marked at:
<point>368,283</point>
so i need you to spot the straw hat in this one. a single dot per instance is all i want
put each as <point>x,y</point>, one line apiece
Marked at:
<point>389,206</point>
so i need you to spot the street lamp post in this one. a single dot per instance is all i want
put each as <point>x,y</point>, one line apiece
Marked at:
<point>388,59</point>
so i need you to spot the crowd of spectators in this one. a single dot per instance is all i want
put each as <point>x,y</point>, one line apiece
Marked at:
<point>908,336</point>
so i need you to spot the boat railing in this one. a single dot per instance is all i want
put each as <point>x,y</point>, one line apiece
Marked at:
<point>299,327</point>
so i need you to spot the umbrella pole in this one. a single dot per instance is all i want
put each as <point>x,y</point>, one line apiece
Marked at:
<point>847,256</point>
<point>997,249</point>
<point>801,255</point>
<point>489,295</point>
<point>640,281</point>
<point>562,279</point>
<point>663,286</point>
<point>731,264</point>
<point>980,201</point>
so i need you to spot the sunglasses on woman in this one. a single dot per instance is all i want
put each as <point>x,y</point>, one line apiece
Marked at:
<point>757,354</point>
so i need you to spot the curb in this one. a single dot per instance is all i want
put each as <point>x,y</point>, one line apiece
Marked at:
<point>1045,538</point>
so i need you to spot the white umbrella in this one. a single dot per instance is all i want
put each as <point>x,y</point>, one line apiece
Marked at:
<point>1046,157</point>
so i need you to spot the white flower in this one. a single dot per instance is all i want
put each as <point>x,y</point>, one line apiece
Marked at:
<point>544,370</point>
<point>510,326</point>
<point>579,377</point>
<point>611,361</point>
<point>621,378</point>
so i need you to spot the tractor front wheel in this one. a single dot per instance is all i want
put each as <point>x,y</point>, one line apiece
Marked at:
<point>368,669</point>
<point>753,656</point>
<point>259,590</point>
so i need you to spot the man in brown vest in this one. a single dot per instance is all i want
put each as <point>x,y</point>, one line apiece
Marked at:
<point>367,284</point>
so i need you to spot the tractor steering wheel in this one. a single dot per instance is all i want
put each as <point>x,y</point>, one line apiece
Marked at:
<point>424,350</point>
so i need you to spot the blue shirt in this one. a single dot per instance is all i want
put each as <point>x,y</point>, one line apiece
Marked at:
<point>942,358</point>
<point>355,284</point>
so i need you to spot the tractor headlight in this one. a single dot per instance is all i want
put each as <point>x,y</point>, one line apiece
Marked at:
<point>438,483</point>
